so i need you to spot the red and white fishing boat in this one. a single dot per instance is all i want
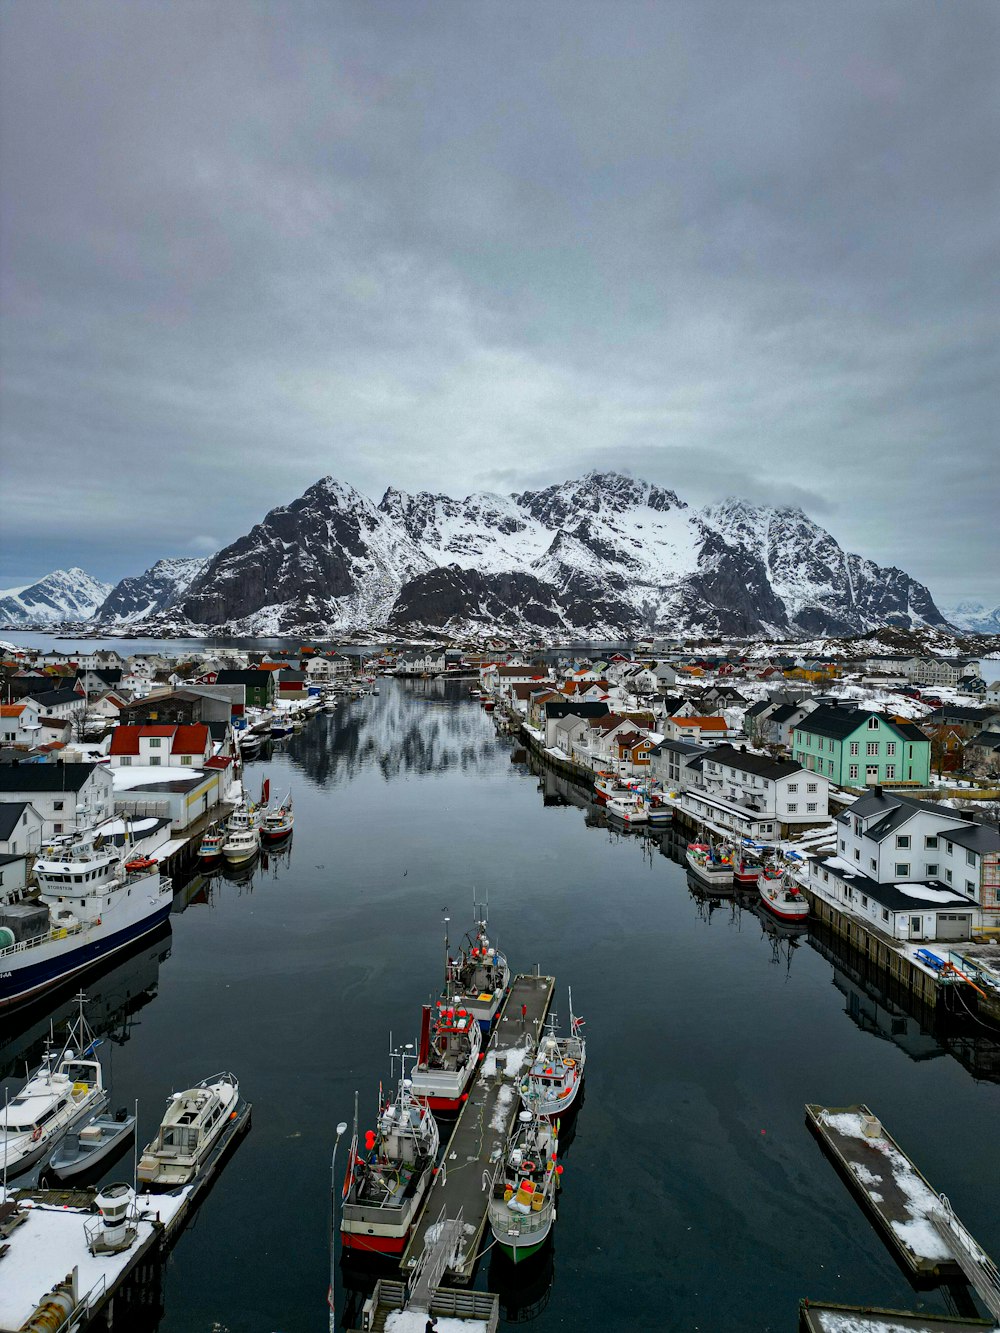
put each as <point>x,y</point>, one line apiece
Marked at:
<point>781,895</point>
<point>746,867</point>
<point>389,1176</point>
<point>551,1085</point>
<point>477,980</point>
<point>450,1042</point>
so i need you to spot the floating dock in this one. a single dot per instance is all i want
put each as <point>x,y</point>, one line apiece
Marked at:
<point>483,1125</point>
<point>821,1317</point>
<point>45,1260</point>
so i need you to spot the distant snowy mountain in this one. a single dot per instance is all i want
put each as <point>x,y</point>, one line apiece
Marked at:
<point>974,617</point>
<point>605,555</point>
<point>65,594</point>
<point>158,589</point>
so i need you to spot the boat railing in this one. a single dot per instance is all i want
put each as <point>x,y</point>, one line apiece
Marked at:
<point>527,1223</point>
<point>53,933</point>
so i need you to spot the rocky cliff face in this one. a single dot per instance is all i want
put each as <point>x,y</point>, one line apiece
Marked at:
<point>604,555</point>
<point>158,589</point>
<point>63,595</point>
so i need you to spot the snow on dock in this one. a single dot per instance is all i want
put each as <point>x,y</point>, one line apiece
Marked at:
<point>817,1317</point>
<point>888,1185</point>
<point>483,1125</point>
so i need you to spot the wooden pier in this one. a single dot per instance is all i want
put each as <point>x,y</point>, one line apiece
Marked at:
<point>483,1125</point>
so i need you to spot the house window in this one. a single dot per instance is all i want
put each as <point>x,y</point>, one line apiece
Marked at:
<point>792,807</point>
<point>947,875</point>
<point>903,840</point>
<point>853,770</point>
<point>864,900</point>
<point>890,772</point>
<point>949,847</point>
<point>843,846</point>
<point>970,888</point>
<point>890,748</point>
<point>873,724</point>
<point>970,858</point>
<point>793,786</point>
<point>931,870</point>
<point>810,786</point>
<point>154,742</point>
<point>902,869</point>
<point>885,914</point>
<point>829,767</point>
<point>873,864</point>
<point>154,760</point>
<point>185,759</point>
<point>871,748</point>
<point>855,747</point>
<point>811,807</point>
<point>857,855</point>
<point>58,805</point>
<point>126,761</point>
<point>57,828</point>
<point>930,843</point>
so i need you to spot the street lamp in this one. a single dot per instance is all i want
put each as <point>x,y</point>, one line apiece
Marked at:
<point>341,1131</point>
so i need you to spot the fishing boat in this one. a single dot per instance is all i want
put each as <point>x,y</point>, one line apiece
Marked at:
<point>281,726</point>
<point>781,895</point>
<point>86,1147</point>
<point>712,867</point>
<point>522,1206</point>
<point>210,847</point>
<point>450,1042</point>
<point>387,1179</point>
<point>553,1082</point>
<point>278,821</point>
<point>659,809</point>
<point>242,839</point>
<point>90,904</point>
<point>747,866</point>
<point>67,1087</point>
<point>250,742</point>
<point>478,978</point>
<point>193,1124</point>
<point>630,809</point>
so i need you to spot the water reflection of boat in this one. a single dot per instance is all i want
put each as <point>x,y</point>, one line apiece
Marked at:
<point>524,1289</point>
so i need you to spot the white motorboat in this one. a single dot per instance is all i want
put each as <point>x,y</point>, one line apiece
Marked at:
<point>630,809</point>
<point>712,867</point>
<point>552,1084</point>
<point>193,1124</point>
<point>242,840</point>
<point>67,1088</point>
<point>522,1206</point>
<point>90,1144</point>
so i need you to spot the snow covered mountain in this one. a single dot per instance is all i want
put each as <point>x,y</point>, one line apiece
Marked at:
<point>604,555</point>
<point>65,594</point>
<point>974,617</point>
<point>158,589</point>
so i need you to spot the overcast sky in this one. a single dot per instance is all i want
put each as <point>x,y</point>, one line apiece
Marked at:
<point>736,248</point>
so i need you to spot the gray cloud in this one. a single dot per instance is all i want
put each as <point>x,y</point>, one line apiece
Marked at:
<point>735,249</point>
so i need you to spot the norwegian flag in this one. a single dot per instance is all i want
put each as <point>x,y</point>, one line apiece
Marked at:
<point>577,1025</point>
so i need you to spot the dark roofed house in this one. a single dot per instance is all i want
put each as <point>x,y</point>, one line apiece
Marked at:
<point>259,686</point>
<point>20,828</point>
<point>56,790</point>
<point>861,748</point>
<point>59,703</point>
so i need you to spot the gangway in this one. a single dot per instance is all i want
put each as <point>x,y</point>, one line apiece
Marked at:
<point>979,1269</point>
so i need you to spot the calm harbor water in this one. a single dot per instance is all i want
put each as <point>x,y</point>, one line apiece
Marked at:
<point>694,1197</point>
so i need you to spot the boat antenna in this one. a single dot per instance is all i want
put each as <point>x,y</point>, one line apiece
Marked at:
<point>447,960</point>
<point>135,1151</point>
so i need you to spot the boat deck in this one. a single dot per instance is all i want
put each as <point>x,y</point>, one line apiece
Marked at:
<point>482,1126</point>
<point>888,1186</point>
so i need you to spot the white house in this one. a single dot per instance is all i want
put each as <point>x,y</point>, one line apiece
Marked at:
<point>755,796</point>
<point>670,763</point>
<point>20,828</point>
<point>57,790</point>
<point>894,838</point>
<point>179,794</point>
<point>970,861</point>
<point>913,911</point>
<point>65,703</point>
<point>19,724</point>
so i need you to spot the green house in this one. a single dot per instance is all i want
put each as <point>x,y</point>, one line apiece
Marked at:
<point>861,749</point>
<point>259,686</point>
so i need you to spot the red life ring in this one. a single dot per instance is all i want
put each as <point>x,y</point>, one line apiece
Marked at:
<point>36,1134</point>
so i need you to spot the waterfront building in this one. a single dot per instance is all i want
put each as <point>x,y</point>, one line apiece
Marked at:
<point>861,748</point>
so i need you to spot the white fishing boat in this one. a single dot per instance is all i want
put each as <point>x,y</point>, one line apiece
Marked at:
<point>552,1084</point>
<point>388,1178</point>
<point>781,895</point>
<point>242,840</point>
<point>87,1146</point>
<point>94,898</point>
<point>630,809</point>
<point>522,1206</point>
<point>278,821</point>
<point>210,847</point>
<point>713,867</point>
<point>194,1122</point>
<point>448,1055</point>
<point>67,1087</point>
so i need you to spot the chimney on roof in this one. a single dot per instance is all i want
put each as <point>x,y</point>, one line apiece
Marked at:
<point>877,790</point>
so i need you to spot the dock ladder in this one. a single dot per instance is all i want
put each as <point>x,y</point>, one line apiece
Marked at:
<point>979,1269</point>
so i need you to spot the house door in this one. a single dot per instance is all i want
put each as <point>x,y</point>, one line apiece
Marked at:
<point>871,773</point>
<point>916,928</point>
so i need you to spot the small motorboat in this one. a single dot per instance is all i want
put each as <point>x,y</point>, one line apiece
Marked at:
<point>659,810</point>
<point>630,809</point>
<point>242,836</point>
<point>522,1206</point>
<point>194,1123</point>
<point>66,1089</point>
<point>210,848</point>
<point>281,726</point>
<point>278,821</point>
<point>551,1085</point>
<point>90,1144</point>
<point>781,895</point>
<point>712,867</point>
<point>747,867</point>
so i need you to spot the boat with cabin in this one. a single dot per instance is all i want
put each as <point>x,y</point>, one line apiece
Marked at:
<point>748,865</point>
<point>67,1087</point>
<point>210,847</point>
<point>87,1146</point>
<point>781,895</point>
<point>278,821</point>
<point>631,809</point>
<point>280,726</point>
<point>479,977</point>
<point>387,1179</point>
<point>522,1206</point>
<point>93,899</point>
<point>242,840</point>
<point>712,866</point>
<point>448,1055</point>
<point>553,1081</point>
<point>194,1122</point>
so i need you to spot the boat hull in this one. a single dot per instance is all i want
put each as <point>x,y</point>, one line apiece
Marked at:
<point>70,1169</point>
<point>20,982</point>
<point>713,879</point>
<point>785,911</point>
<point>279,836</point>
<point>518,1253</point>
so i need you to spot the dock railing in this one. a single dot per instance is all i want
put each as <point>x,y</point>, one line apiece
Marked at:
<point>978,1267</point>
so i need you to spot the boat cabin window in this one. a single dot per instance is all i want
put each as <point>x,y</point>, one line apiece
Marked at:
<point>79,1073</point>
<point>179,1137</point>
